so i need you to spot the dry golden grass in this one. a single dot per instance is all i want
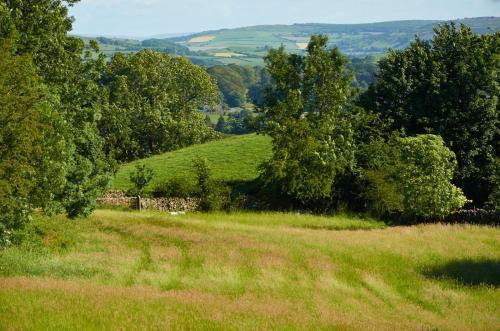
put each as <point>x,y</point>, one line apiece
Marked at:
<point>202,39</point>
<point>148,271</point>
<point>227,54</point>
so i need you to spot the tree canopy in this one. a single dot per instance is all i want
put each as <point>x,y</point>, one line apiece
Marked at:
<point>154,104</point>
<point>448,86</point>
<point>40,29</point>
<point>304,115</point>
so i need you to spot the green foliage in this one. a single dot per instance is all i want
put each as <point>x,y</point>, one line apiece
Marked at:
<point>364,70</point>
<point>20,136</point>
<point>177,187</point>
<point>447,87</point>
<point>70,75</point>
<point>140,178</point>
<point>238,84</point>
<point>154,102</point>
<point>33,151</point>
<point>221,124</point>
<point>214,195</point>
<point>304,115</point>
<point>493,202</point>
<point>241,122</point>
<point>412,176</point>
<point>233,159</point>
<point>230,83</point>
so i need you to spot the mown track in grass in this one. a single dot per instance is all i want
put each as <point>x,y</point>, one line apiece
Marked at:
<point>247,270</point>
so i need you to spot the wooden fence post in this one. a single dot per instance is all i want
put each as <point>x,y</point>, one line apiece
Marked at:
<point>139,203</point>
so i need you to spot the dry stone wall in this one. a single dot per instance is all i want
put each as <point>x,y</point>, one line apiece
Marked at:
<point>119,199</point>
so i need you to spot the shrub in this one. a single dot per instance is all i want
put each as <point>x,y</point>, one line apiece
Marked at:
<point>214,195</point>
<point>493,202</point>
<point>5,236</point>
<point>140,178</point>
<point>174,188</point>
<point>412,176</point>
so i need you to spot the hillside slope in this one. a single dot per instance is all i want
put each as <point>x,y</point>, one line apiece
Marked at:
<point>231,159</point>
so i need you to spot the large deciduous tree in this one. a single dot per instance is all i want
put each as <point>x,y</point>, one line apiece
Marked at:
<point>40,29</point>
<point>448,86</point>
<point>33,153</point>
<point>304,115</point>
<point>154,104</point>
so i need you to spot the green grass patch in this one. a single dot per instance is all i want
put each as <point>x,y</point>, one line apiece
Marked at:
<point>231,159</point>
<point>132,270</point>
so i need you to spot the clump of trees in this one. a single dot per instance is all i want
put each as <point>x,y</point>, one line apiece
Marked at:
<point>67,117</point>
<point>449,87</point>
<point>239,84</point>
<point>428,129</point>
<point>241,122</point>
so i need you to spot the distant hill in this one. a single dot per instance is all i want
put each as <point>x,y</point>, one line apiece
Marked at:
<point>249,44</point>
<point>357,40</point>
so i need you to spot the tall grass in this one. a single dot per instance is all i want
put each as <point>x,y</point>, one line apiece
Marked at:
<point>131,270</point>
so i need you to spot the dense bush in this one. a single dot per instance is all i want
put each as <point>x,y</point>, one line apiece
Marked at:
<point>412,176</point>
<point>214,195</point>
<point>178,187</point>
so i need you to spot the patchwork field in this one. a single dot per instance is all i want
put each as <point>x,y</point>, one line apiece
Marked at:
<point>227,54</point>
<point>202,39</point>
<point>355,40</point>
<point>302,45</point>
<point>151,271</point>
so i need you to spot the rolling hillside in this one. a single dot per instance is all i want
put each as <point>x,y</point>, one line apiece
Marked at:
<point>231,159</point>
<point>249,44</point>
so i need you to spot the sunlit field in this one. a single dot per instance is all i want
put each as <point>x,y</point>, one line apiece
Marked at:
<point>231,159</point>
<point>131,270</point>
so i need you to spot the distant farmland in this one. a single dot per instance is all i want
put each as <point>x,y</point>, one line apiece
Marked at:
<point>252,43</point>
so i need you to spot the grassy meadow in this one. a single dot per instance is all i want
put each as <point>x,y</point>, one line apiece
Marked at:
<point>152,271</point>
<point>232,159</point>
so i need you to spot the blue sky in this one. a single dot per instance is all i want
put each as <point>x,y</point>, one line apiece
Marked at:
<point>144,18</point>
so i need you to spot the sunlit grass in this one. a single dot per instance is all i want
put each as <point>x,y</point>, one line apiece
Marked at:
<point>231,159</point>
<point>131,270</point>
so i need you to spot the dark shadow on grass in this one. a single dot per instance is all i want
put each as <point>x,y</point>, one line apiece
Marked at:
<point>468,272</point>
<point>339,227</point>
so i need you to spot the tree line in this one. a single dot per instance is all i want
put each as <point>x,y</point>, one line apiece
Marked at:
<point>421,141</point>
